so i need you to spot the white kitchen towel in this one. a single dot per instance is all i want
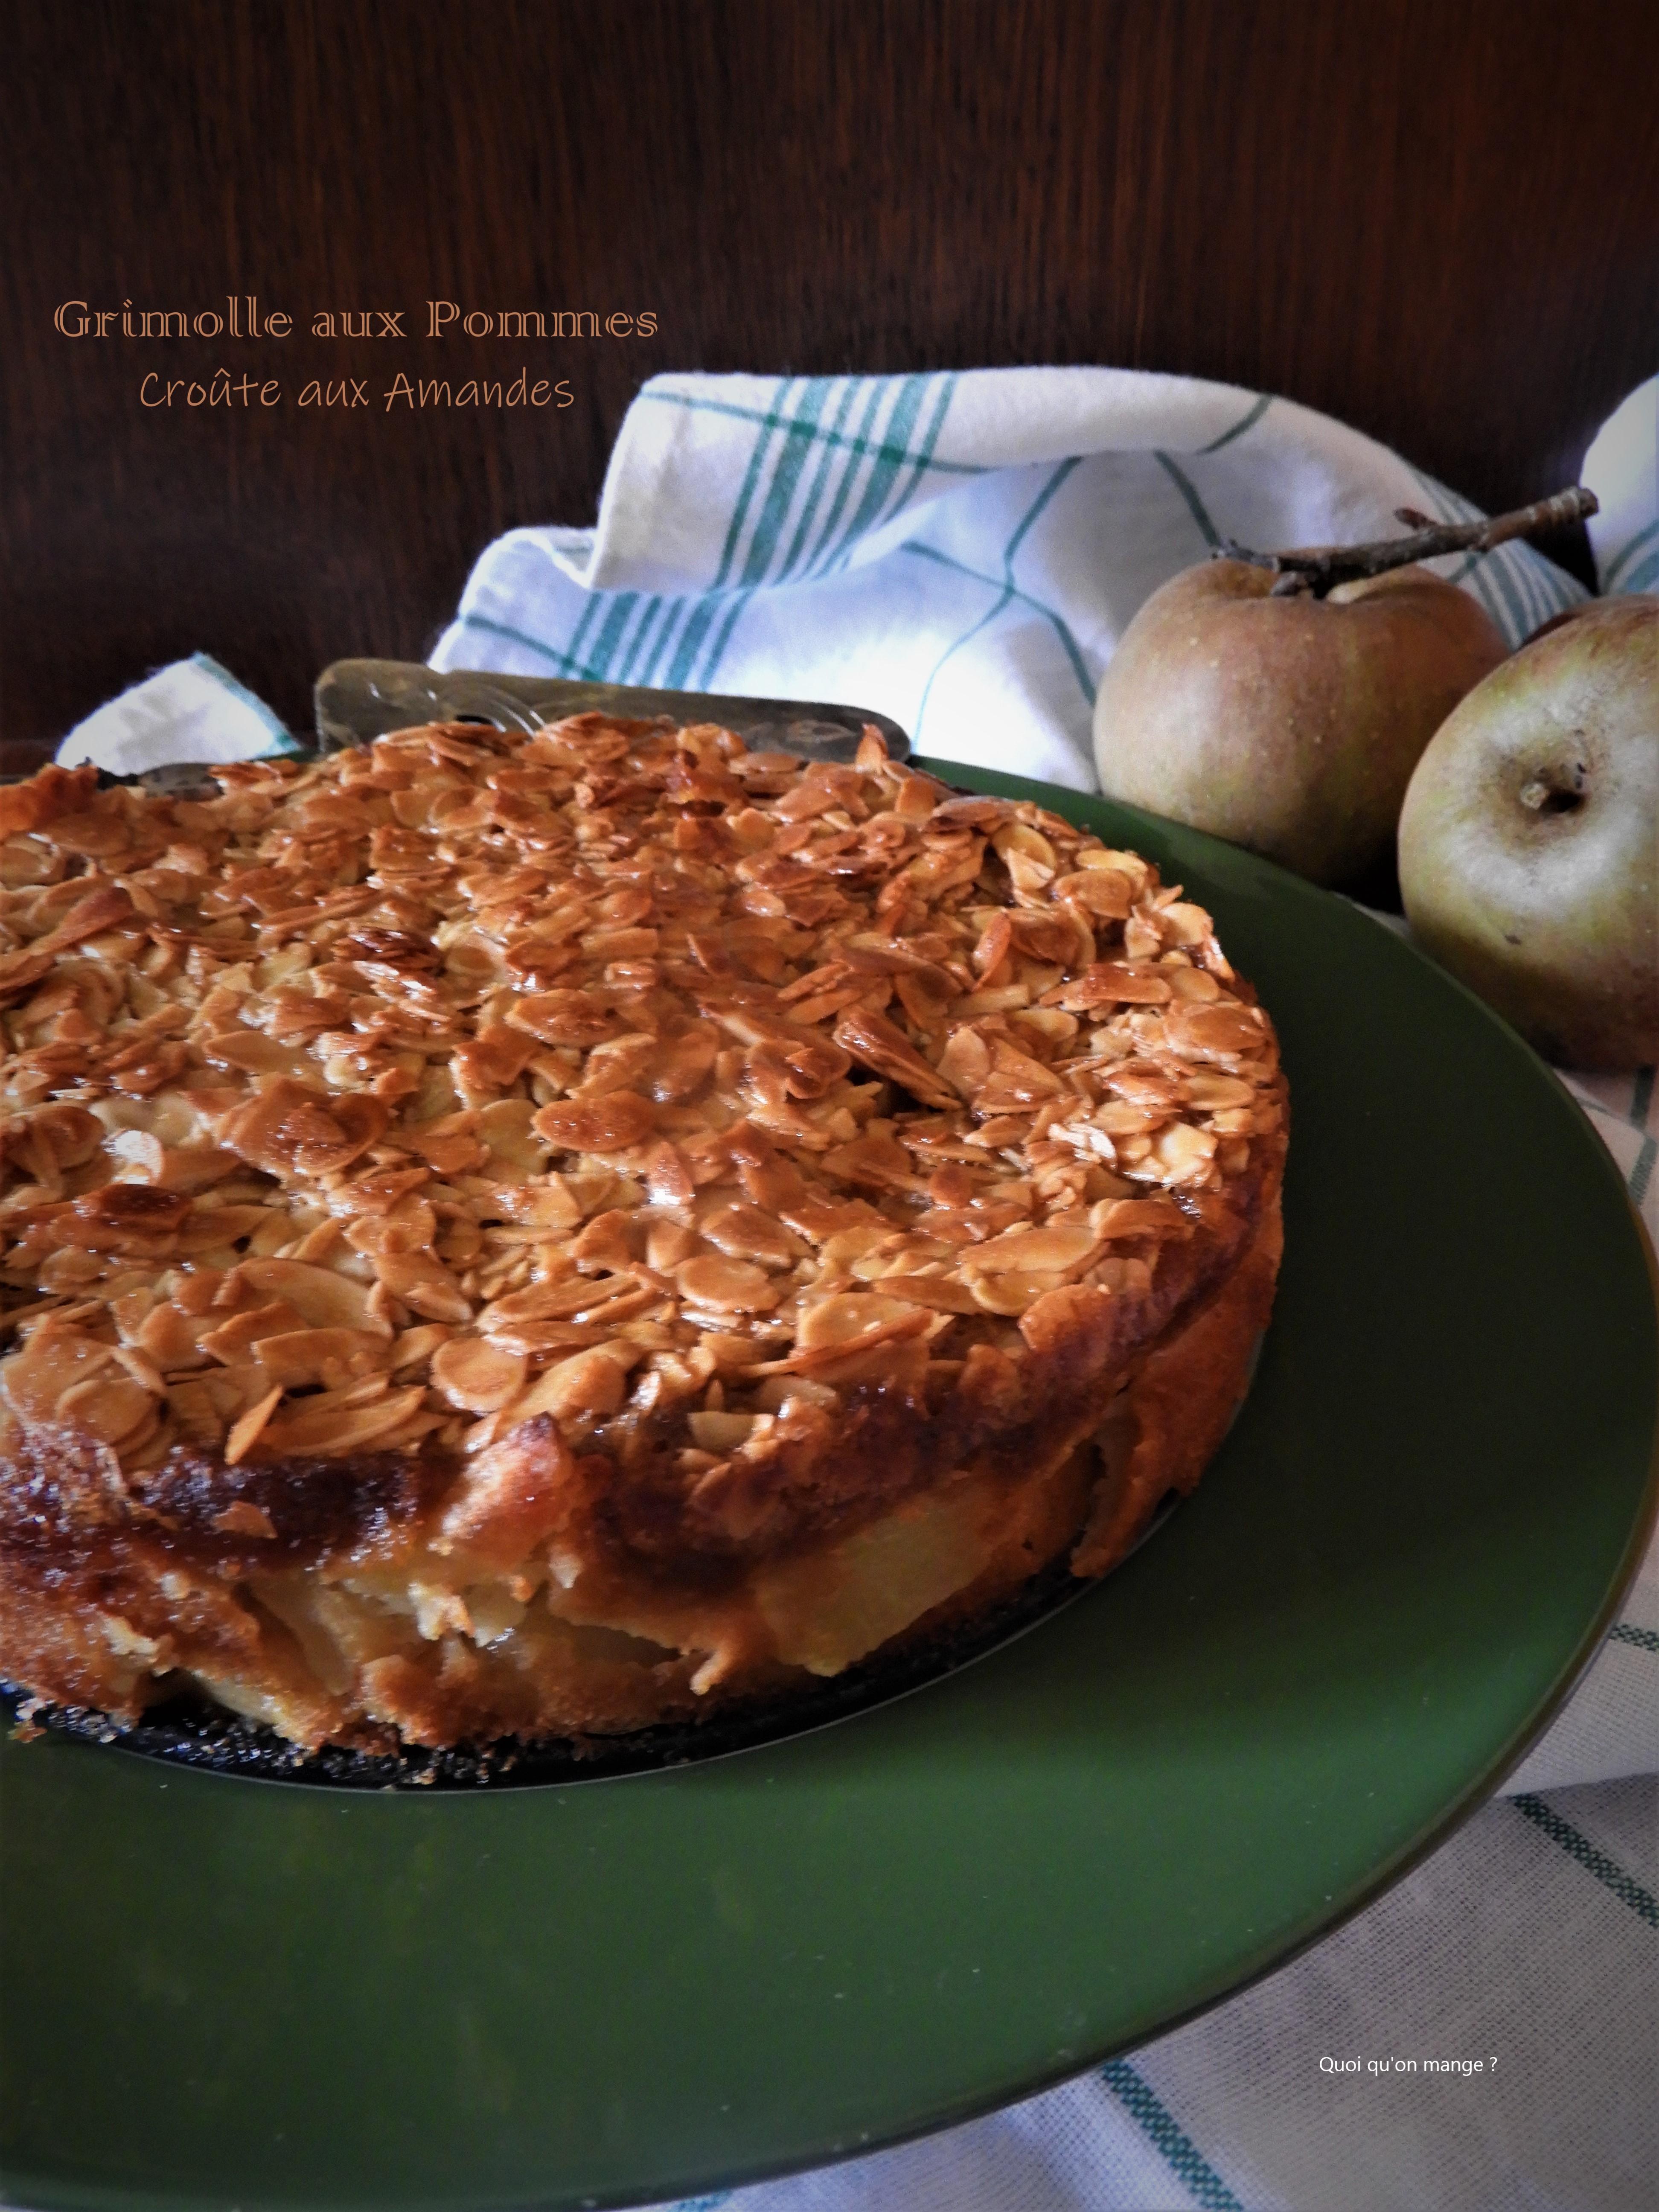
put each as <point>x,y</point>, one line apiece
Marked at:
<point>960,551</point>
<point>1622,469</point>
<point>191,710</point>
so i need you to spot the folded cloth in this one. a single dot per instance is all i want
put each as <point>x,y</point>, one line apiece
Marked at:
<point>962,553</point>
<point>1622,469</point>
<point>191,710</point>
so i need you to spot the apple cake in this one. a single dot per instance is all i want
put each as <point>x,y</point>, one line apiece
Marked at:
<point>537,1236</point>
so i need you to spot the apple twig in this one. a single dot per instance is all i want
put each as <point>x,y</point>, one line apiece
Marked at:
<point>1319,568</point>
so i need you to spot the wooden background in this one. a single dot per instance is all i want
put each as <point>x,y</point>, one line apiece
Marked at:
<point>1438,219</point>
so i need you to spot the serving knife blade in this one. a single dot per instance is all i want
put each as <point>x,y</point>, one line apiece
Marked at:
<point>357,700</point>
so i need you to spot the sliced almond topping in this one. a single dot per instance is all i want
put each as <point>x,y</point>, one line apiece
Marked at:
<point>745,1232</point>
<point>334,1423</point>
<point>333,1356</point>
<point>109,1408</point>
<point>235,1339</point>
<point>53,1363</point>
<point>1139,1217</point>
<point>614,1123</point>
<point>837,1323</point>
<point>1114,983</point>
<point>253,1051</point>
<point>1183,1153</point>
<point>1217,1032</point>
<point>240,1441</point>
<point>726,1285</point>
<point>586,1387</point>
<point>321,1298</point>
<point>1034,1251</point>
<point>424,1285</point>
<point>476,1375</point>
<point>1210,1093</point>
<point>563,1017</point>
<point>1102,891</point>
<point>942,1294</point>
<point>1010,1294</point>
<point>876,1044</point>
<point>290,1129</point>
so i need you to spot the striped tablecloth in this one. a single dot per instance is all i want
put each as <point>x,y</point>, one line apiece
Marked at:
<point>961,552</point>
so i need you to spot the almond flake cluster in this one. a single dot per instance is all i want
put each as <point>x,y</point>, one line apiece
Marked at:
<point>385,1103</point>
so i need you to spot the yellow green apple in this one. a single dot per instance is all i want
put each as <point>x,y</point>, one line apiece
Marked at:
<point>1530,839</point>
<point>1288,723</point>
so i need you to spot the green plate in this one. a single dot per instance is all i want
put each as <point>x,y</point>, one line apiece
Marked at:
<point>224,1992</point>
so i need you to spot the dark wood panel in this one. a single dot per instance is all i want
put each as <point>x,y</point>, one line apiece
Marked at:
<point>1439,222</point>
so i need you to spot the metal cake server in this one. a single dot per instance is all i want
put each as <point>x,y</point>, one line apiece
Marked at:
<point>357,700</point>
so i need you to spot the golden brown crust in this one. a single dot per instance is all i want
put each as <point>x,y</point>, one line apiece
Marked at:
<point>519,1235</point>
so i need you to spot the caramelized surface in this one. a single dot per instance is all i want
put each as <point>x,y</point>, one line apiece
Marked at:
<point>605,1166</point>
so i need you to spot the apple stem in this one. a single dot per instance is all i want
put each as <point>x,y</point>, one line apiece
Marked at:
<point>1319,568</point>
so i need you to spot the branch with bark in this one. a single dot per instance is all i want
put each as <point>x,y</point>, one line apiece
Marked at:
<point>1319,568</point>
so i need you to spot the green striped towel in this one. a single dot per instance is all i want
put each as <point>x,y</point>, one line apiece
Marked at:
<point>1622,469</point>
<point>960,551</point>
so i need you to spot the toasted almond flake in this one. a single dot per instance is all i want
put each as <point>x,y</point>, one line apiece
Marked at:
<point>250,1050</point>
<point>110,1408</point>
<point>745,1232</point>
<point>726,1285</point>
<point>416,1345</point>
<point>321,1298</point>
<point>332,1356</point>
<point>995,940</point>
<point>942,1294</point>
<point>232,1339</point>
<point>877,1043</point>
<point>1105,891</point>
<point>1209,1093</point>
<point>840,1321</point>
<point>1139,1217</point>
<point>1010,1294</point>
<point>1232,1121</point>
<point>1124,1117</point>
<point>144,1370</point>
<point>424,1285</point>
<point>478,1377</point>
<point>337,1422</point>
<point>240,1441</point>
<point>614,1123</point>
<point>1184,1153</point>
<point>1223,1031</point>
<point>668,1243</point>
<point>1193,984</point>
<point>586,1387</point>
<point>54,1362</point>
<point>1048,1250</point>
